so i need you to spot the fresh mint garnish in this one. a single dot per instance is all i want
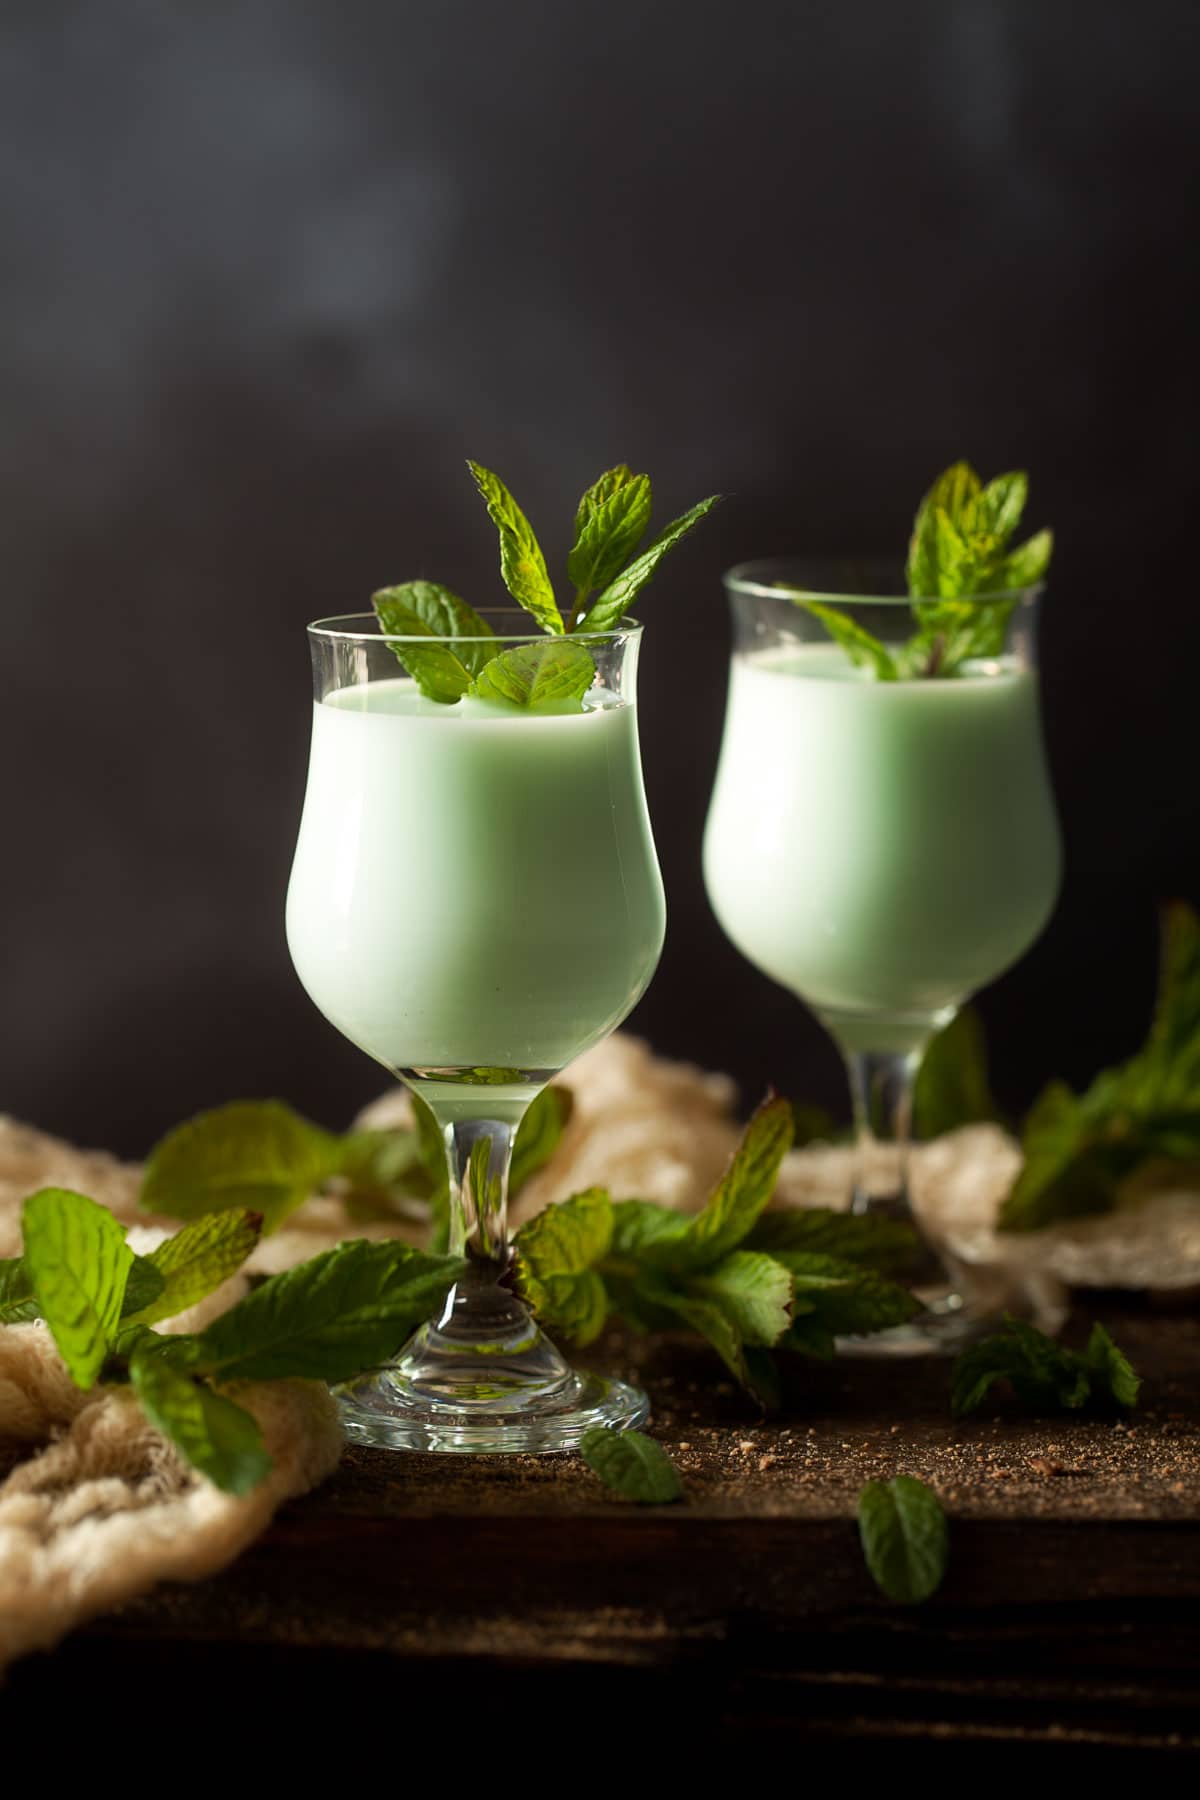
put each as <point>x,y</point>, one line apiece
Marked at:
<point>1081,1149</point>
<point>78,1263</point>
<point>631,1464</point>
<point>604,568</point>
<point>863,649</point>
<point>905,1538</point>
<point>611,606</point>
<point>214,1433</point>
<point>522,565</point>
<point>1044,1375</point>
<point>445,669</point>
<point>610,523</point>
<point>744,1279</point>
<point>536,675</point>
<point>959,550</point>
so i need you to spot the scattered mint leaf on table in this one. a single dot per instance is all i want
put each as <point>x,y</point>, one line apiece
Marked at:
<point>632,1465</point>
<point>78,1262</point>
<point>1080,1149</point>
<point>905,1538</point>
<point>1044,1375</point>
<point>522,565</point>
<point>327,1319</point>
<point>211,1432</point>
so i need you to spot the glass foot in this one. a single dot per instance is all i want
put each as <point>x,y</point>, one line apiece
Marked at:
<point>946,1327</point>
<point>484,1379</point>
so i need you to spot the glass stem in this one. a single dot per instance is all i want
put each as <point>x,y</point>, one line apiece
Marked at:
<point>881,1086</point>
<point>479,1158</point>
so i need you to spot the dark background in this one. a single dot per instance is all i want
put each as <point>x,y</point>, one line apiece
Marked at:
<point>272,272</point>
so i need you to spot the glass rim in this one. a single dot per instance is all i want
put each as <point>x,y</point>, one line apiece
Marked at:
<point>750,579</point>
<point>332,630</point>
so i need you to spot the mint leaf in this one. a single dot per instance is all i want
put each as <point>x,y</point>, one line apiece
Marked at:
<point>1112,1375</point>
<point>905,1538</point>
<point>1025,566</point>
<point>556,1254</point>
<point>609,525</point>
<point>215,1435</point>
<point>1044,1375</point>
<point>1000,504</point>
<point>847,1301</point>
<point>421,609</point>
<point>742,1195</point>
<point>869,1239</point>
<point>753,1291</point>
<point>621,592</point>
<point>707,1316</point>
<point>522,565</point>
<point>1080,1149</point>
<point>431,1147</point>
<point>193,1264</point>
<point>539,1134</point>
<point>330,1318</point>
<point>863,650</point>
<point>631,1464</point>
<point>142,1288</point>
<point>18,1304</point>
<point>642,1225</point>
<point>951,1087</point>
<point>78,1262</point>
<point>252,1155</point>
<point>533,675</point>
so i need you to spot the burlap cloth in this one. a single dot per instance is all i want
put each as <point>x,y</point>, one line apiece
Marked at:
<point>97,1507</point>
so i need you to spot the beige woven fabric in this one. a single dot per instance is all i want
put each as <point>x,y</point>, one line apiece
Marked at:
<point>98,1507</point>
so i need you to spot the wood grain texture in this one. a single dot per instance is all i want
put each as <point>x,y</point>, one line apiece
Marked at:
<point>1068,1620</point>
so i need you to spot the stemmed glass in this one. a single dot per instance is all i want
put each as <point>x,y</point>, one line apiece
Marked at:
<point>881,848</point>
<point>475,900</point>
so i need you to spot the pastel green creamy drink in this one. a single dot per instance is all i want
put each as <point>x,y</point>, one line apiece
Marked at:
<point>475,887</point>
<point>880,848</point>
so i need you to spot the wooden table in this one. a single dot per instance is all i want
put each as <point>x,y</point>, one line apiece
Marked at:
<point>484,1598</point>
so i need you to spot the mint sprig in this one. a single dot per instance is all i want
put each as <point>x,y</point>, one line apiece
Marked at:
<point>745,1279</point>
<point>328,1319</point>
<point>604,567</point>
<point>905,1538</point>
<point>1045,1376</point>
<point>1081,1149</point>
<point>960,548</point>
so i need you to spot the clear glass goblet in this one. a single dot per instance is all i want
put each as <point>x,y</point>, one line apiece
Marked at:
<point>475,900</point>
<point>881,848</point>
